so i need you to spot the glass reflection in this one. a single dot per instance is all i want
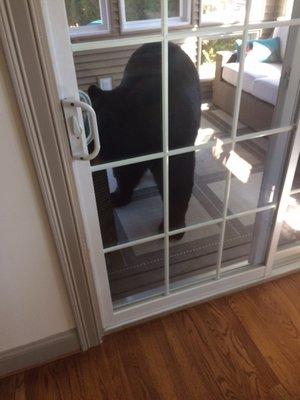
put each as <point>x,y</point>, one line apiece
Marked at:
<point>290,231</point>
<point>246,240</point>
<point>296,181</point>
<point>194,257</point>
<point>136,273</point>
<point>223,11</point>
<point>83,13</point>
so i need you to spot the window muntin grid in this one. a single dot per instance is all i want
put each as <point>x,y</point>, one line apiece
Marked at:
<point>201,32</point>
<point>166,36</point>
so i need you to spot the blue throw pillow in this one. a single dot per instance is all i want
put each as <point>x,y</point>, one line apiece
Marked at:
<point>262,50</point>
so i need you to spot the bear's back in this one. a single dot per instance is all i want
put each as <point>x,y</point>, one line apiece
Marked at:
<point>143,79</point>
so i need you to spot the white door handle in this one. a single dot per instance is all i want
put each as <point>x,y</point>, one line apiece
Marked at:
<point>86,99</point>
<point>94,126</point>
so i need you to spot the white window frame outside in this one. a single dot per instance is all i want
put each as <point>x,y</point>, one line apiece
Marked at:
<point>184,18</point>
<point>256,14</point>
<point>98,29</point>
<point>206,20</point>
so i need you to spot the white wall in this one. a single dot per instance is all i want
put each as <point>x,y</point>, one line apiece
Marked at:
<point>33,300</point>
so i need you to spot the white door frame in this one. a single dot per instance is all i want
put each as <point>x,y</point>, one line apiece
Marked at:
<point>25,47</point>
<point>77,235</point>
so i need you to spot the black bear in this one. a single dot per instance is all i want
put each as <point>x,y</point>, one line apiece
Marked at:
<point>130,124</point>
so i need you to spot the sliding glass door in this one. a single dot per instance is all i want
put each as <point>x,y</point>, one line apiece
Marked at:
<point>194,172</point>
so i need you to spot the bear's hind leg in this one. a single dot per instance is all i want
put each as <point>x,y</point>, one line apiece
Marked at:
<point>156,168</point>
<point>181,181</point>
<point>127,178</point>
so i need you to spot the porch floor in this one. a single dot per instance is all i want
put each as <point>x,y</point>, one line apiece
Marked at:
<point>138,272</point>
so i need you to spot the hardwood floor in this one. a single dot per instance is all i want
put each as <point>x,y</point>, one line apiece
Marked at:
<point>243,346</point>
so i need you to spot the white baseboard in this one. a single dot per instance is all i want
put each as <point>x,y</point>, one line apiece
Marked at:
<point>39,352</point>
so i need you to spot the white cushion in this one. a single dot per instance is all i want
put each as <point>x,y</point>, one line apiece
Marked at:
<point>230,73</point>
<point>260,79</point>
<point>253,70</point>
<point>266,89</point>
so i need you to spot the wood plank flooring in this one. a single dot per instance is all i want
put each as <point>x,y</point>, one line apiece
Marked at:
<point>243,346</point>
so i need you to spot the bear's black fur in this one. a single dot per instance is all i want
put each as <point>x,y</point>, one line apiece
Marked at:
<point>130,124</point>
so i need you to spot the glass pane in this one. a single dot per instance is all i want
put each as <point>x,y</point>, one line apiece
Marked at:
<point>136,273</point>
<point>174,8</point>
<point>224,86</point>
<point>253,184</point>
<point>129,201</point>
<point>296,182</point>
<point>83,12</point>
<point>209,50</point>
<point>246,240</point>
<point>223,11</point>
<point>128,106</point>
<point>290,232</point>
<point>184,93</point>
<point>139,10</point>
<point>260,101</point>
<point>270,11</point>
<point>193,257</point>
<point>197,104</point>
<point>196,110</point>
<point>196,187</point>
<point>217,108</point>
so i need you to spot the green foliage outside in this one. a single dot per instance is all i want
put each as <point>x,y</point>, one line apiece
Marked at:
<point>211,47</point>
<point>82,12</point>
<point>148,9</point>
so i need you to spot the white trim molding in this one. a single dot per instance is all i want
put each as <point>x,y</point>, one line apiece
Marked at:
<point>25,46</point>
<point>39,352</point>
